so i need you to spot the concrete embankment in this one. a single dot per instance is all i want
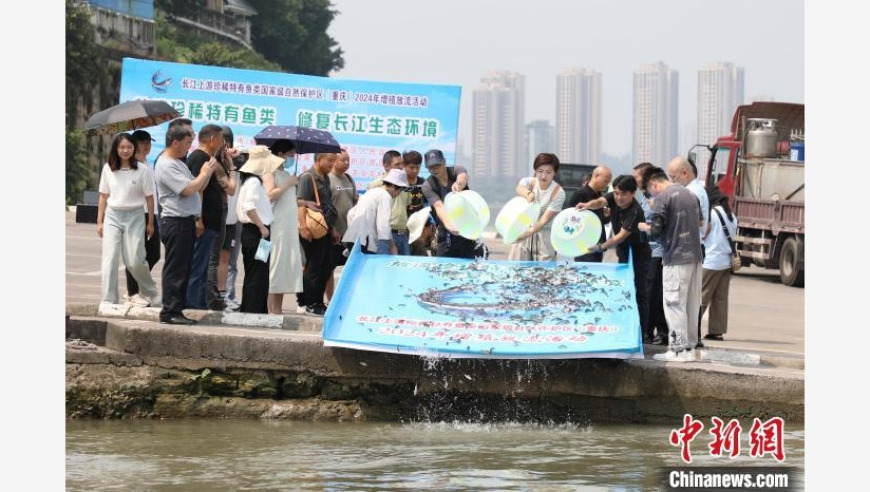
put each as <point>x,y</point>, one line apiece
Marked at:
<point>121,363</point>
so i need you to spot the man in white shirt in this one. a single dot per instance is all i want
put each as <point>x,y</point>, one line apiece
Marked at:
<point>369,219</point>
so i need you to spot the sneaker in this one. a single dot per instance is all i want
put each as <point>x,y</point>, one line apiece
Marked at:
<point>316,310</point>
<point>671,356</point>
<point>139,300</point>
<point>232,305</point>
<point>713,337</point>
<point>301,310</point>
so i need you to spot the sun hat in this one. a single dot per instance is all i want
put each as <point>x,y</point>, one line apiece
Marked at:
<point>396,177</point>
<point>417,222</point>
<point>261,161</point>
<point>516,216</point>
<point>468,212</point>
<point>573,231</point>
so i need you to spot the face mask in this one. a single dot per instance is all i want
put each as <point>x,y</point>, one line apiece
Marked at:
<point>289,163</point>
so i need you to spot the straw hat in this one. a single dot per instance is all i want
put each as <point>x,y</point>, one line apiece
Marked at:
<point>261,161</point>
<point>416,222</point>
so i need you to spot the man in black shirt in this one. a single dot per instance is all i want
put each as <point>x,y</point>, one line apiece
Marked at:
<point>595,188</point>
<point>626,214</point>
<point>210,225</point>
<point>443,180</point>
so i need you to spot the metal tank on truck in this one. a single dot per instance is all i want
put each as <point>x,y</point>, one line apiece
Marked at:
<point>760,167</point>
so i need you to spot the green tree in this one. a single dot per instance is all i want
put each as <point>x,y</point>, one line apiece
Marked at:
<point>87,77</point>
<point>181,45</point>
<point>83,72</point>
<point>293,34</point>
<point>78,173</point>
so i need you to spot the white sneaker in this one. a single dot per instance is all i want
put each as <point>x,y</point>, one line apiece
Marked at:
<point>231,304</point>
<point>300,310</point>
<point>138,300</point>
<point>671,356</point>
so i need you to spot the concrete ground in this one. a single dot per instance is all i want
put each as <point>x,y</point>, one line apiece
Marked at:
<point>765,317</point>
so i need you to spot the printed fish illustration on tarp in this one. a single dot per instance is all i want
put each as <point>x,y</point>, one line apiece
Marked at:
<point>490,309</point>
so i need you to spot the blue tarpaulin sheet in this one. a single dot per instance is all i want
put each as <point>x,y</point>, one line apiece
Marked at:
<point>484,308</point>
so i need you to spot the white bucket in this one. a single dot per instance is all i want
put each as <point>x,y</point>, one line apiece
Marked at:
<point>516,216</point>
<point>468,212</point>
<point>573,231</point>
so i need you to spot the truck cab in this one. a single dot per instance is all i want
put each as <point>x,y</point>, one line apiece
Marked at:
<point>755,168</point>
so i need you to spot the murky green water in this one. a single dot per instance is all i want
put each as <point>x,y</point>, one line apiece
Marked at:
<point>264,455</point>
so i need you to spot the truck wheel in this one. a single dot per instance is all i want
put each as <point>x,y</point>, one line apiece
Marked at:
<point>789,257</point>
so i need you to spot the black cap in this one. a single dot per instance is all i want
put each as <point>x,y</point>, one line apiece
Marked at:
<point>434,157</point>
<point>142,136</point>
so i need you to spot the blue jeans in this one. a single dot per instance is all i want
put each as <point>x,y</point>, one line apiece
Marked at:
<point>198,269</point>
<point>402,246</point>
<point>384,247</point>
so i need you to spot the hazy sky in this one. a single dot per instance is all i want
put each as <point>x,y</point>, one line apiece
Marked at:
<point>457,41</point>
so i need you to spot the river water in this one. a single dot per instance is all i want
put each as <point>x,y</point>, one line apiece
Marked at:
<point>195,455</point>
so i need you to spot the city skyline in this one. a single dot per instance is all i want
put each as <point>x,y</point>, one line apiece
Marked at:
<point>658,133</point>
<point>612,38</point>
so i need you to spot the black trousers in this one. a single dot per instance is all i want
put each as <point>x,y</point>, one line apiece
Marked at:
<point>640,265</point>
<point>152,256</point>
<point>452,246</point>
<point>318,267</point>
<point>179,234</point>
<point>255,288</point>
<point>657,319</point>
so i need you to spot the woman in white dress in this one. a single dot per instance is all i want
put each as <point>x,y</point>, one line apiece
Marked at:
<point>125,187</point>
<point>534,243</point>
<point>285,263</point>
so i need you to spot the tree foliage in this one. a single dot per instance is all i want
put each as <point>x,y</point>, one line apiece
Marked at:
<point>83,75</point>
<point>183,46</point>
<point>293,34</point>
<point>78,172</point>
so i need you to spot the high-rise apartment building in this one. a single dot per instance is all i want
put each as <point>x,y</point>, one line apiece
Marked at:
<point>540,137</point>
<point>656,108</point>
<point>578,116</point>
<point>498,127</point>
<point>720,91</point>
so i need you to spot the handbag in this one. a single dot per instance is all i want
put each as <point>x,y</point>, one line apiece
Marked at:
<point>735,258</point>
<point>315,221</point>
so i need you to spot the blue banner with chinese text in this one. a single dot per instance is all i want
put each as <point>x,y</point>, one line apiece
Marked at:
<point>366,116</point>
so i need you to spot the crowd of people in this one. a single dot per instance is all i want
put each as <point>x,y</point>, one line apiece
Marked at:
<point>293,231</point>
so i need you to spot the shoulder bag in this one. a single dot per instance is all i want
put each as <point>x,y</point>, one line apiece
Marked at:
<point>315,221</point>
<point>735,258</point>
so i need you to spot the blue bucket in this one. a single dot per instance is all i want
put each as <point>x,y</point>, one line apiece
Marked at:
<point>797,151</point>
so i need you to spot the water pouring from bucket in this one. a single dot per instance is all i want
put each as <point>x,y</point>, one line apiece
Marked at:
<point>468,212</point>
